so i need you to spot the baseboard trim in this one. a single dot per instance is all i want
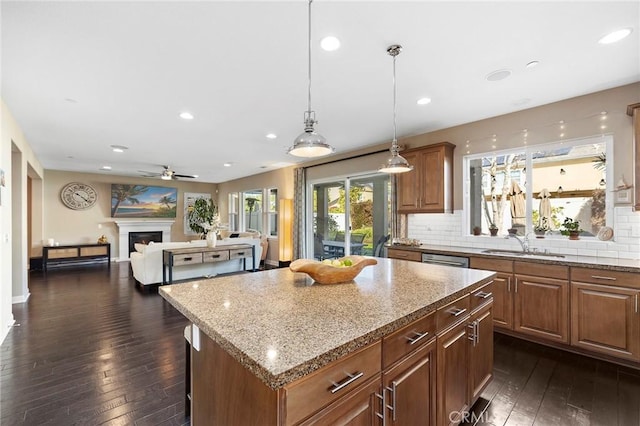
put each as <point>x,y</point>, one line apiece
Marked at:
<point>20,299</point>
<point>5,330</point>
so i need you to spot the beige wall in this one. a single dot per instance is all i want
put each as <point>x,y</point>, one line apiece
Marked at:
<point>16,160</point>
<point>68,226</point>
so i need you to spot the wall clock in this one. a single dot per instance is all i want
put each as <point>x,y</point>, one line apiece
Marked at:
<point>78,196</point>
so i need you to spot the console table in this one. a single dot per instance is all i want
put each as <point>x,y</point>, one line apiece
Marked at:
<point>196,255</point>
<point>75,253</point>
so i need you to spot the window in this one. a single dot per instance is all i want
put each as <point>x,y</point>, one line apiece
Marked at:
<point>234,206</point>
<point>260,211</point>
<point>272,211</point>
<point>540,185</point>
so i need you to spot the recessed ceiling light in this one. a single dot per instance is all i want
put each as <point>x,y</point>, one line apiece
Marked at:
<point>614,36</point>
<point>532,64</point>
<point>330,43</point>
<point>271,136</point>
<point>118,148</point>
<point>186,115</point>
<point>227,164</point>
<point>498,75</point>
<point>424,101</point>
<point>106,167</point>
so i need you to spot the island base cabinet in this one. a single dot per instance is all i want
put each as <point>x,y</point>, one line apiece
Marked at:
<point>453,374</point>
<point>481,358</point>
<point>409,388</point>
<point>605,319</point>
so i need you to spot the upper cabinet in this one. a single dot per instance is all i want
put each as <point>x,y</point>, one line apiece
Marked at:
<point>634,111</point>
<point>428,188</point>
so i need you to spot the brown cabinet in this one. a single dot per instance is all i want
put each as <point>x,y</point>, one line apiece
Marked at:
<point>634,111</point>
<point>409,387</point>
<point>542,304</point>
<point>605,318</point>
<point>502,288</point>
<point>393,253</point>
<point>429,187</point>
<point>481,358</point>
<point>453,375</point>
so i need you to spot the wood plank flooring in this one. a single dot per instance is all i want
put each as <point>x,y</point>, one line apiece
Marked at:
<point>92,349</point>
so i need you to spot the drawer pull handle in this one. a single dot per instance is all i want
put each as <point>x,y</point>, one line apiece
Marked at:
<point>186,259</point>
<point>346,382</point>
<point>600,277</point>
<point>215,255</point>
<point>417,338</point>
<point>483,295</point>
<point>382,399</point>
<point>240,253</point>
<point>456,312</point>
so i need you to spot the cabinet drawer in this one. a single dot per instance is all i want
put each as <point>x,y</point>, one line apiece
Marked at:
<point>481,296</point>
<point>63,253</point>
<point>410,337</point>
<point>541,270</point>
<point>239,253</point>
<point>309,394</point>
<point>498,265</point>
<point>187,259</point>
<point>452,313</point>
<point>416,256</point>
<point>604,277</point>
<point>93,251</point>
<point>215,256</point>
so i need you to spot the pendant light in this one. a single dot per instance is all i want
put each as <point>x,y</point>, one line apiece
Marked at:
<point>310,143</point>
<point>395,163</point>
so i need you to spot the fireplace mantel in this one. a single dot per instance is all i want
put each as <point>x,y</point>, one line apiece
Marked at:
<point>126,226</point>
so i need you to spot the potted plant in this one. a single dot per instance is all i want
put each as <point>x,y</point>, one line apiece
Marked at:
<point>541,228</point>
<point>203,219</point>
<point>477,230</point>
<point>493,229</point>
<point>571,228</point>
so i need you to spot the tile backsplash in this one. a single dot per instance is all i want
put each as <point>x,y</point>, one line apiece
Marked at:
<point>447,230</point>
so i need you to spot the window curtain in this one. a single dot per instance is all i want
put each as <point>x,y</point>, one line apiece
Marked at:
<point>299,197</point>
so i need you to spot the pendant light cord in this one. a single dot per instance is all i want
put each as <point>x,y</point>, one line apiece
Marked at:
<point>395,90</point>
<point>309,71</point>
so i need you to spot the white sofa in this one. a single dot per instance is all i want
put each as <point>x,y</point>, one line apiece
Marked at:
<point>146,261</point>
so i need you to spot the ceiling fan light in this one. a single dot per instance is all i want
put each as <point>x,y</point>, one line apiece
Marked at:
<point>396,163</point>
<point>165,177</point>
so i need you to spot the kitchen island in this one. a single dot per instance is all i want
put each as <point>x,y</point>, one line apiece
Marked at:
<point>276,348</point>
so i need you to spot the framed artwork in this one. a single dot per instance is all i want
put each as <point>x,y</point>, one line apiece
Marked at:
<point>189,199</point>
<point>143,201</point>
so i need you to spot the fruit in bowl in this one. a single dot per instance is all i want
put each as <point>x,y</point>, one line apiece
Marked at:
<point>332,271</point>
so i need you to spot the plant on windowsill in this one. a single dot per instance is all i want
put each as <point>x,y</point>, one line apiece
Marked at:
<point>493,229</point>
<point>571,228</point>
<point>541,228</point>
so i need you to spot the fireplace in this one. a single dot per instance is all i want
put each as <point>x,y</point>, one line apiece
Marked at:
<point>143,226</point>
<point>143,238</point>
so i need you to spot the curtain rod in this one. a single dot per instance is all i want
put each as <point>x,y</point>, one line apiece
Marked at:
<point>347,158</point>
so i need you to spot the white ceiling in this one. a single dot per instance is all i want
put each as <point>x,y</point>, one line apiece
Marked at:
<point>81,76</point>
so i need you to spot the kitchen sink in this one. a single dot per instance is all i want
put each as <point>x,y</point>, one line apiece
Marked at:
<point>521,253</point>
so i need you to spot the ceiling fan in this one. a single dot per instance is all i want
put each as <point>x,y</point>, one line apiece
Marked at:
<point>167,174</point>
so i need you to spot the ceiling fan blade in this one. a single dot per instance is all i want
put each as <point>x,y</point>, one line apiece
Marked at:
<point>149,174</point>
<point>185,176</point>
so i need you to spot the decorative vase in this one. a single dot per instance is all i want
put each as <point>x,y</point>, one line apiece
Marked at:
<point>540,234</point>
<point>494,231</point>
<point>574,235</point>
<point>212,239</point>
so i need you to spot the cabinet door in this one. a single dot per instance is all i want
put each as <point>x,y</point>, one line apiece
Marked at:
<point>481,357</point>
<point>432,184</point>
<point>409,184</point>
<point>452,372</point>
<point>542,307</point>
<point>358,408</point>
<point>409,389</point>
<point>605,319</point>
<point>503,301</point>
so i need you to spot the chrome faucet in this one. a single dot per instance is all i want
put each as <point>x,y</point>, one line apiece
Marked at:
<point>524,242</point>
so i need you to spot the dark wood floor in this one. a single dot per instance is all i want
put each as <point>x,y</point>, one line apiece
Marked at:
<point>92,349</point>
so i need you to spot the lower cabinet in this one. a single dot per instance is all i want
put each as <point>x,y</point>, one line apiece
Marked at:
<point>481,358</point>
<point>605,319</point>
<point>503,288</point>
<point>408,389</point>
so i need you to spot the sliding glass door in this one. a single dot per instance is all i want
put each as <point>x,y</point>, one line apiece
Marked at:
<point>349,216</point>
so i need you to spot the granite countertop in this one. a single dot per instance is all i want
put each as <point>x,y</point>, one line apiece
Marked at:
<point>282,326</point>
<point>604,263</point>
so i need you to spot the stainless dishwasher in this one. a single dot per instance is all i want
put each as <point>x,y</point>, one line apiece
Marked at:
<point>441,259</point>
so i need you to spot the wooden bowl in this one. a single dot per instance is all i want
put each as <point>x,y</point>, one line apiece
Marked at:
<point>327,274</point>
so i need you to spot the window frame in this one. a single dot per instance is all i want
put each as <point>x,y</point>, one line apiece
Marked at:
<point>528,150</point>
